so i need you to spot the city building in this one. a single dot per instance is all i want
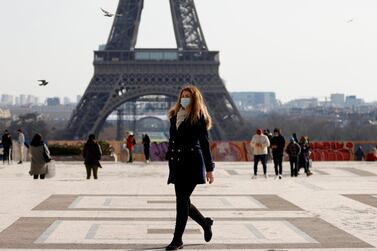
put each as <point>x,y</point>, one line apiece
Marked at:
<point>254,100</point>
<point>32,100</point>
<point>53,101</point>
<point>17,101</point>
<point>7,99</point>
<point>352,101</point>
<point>302,103</point>
<point>337,99</point>
<point>66,101</point>
<point>23,99</point>
<point>52,112</point>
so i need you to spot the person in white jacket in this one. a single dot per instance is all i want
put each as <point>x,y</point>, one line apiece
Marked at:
<point>260,144</point>
<point>21,142</point>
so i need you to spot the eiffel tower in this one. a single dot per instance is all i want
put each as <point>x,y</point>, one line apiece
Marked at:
<point>123,73</point>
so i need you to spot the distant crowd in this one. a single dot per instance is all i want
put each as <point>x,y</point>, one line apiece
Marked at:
<point>267,146</point>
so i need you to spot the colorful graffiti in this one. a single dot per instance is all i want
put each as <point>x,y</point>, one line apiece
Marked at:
<point>332,151</point>
<point>158,151</point>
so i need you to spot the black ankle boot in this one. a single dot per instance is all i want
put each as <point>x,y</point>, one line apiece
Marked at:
<point>208,229</point>
<point>174,245</point>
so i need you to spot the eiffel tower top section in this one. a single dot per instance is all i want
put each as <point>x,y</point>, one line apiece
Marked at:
<point>188,33</point>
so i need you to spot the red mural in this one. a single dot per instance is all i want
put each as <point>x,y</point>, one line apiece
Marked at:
<point>332,151</point>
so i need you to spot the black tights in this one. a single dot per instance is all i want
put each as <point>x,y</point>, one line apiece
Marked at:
<point>185,209</point>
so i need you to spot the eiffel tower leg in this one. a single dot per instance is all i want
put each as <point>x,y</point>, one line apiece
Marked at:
<point>120,124</point>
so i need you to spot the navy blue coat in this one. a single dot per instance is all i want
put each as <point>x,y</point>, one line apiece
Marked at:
<point>189,152</point>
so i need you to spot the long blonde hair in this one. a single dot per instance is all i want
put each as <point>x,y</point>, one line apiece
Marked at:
<point>196,109</point>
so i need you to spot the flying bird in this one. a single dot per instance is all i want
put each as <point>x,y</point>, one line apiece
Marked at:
<point>350,21</point>
<point>42,82</point>
<point>108,14</point>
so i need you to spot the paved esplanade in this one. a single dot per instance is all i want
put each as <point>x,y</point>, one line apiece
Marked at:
<point>131,208</point>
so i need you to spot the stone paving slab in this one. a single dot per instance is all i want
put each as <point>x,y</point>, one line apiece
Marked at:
<point>131,207</point>
<point>218,202</point>
<point>368,199</point>
<point>86,233</point>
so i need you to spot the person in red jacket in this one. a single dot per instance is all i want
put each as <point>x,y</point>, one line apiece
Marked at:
<point>131,142</point>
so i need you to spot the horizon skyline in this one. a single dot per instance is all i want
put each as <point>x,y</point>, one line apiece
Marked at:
<point>73,99</point>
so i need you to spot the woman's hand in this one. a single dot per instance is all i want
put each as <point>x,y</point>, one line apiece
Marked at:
<point>210,177</point>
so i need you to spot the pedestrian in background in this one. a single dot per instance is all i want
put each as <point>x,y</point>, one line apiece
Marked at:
<point>92,154</point>
<point>293,150</point>
<point>21,143</point>
<point>131,142</point>
<point>40,157</point>
<point>278,145</point>
<point>294,135</point>
<point>190,159</point>
<point>303,159</point>
<point>6,140</point>
<point>260,144</point>
<point>359,154</point>
<point>146,144</point>
<point>125,154</point>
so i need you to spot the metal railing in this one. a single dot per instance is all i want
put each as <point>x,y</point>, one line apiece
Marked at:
<point>155,55</point>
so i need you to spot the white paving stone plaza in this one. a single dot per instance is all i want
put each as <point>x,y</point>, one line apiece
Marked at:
<point>131,207</point>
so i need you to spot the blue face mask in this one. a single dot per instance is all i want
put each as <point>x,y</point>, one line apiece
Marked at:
<point>185,102</point>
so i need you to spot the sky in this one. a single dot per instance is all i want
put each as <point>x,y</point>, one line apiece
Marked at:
<point>296,48</point>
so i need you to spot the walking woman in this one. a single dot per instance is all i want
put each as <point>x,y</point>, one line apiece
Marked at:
<point>40,156</point>
<point>92,155</point>
<point>190,160</point>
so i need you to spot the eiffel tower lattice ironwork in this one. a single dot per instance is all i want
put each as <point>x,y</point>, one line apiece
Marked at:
<point>123,73</point>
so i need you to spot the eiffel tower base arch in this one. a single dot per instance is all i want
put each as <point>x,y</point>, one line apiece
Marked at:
<point>115,83</point>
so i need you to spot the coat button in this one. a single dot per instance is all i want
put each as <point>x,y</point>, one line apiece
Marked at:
<point>172,150</point>
<point>192,149</point>
<point>173,141</point>
<point>171,158</point>
<point>178,159</point>
<point>179,150</point>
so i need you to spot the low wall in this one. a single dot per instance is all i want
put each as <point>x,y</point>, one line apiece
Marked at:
<point>241,150</point>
